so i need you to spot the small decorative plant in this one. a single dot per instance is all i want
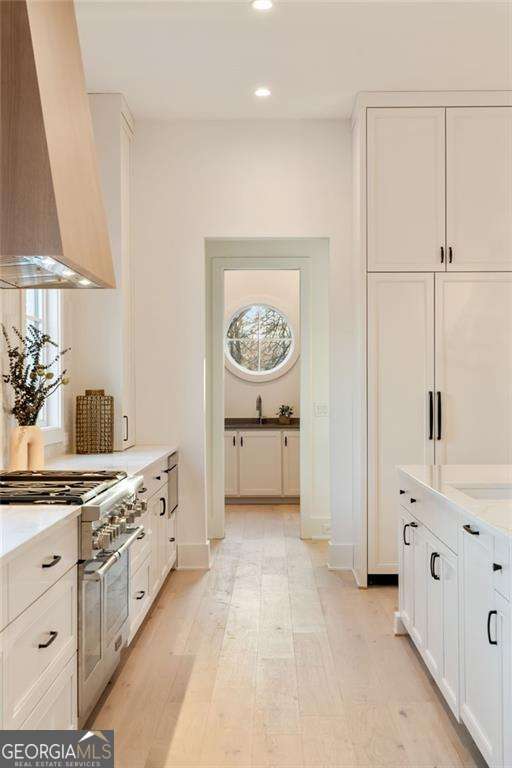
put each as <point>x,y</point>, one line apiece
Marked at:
<point>29,374</point>
<point>285,413</point>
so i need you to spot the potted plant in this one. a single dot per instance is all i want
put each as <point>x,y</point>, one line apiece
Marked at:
<point>32,381</point>
<point>285,414</point>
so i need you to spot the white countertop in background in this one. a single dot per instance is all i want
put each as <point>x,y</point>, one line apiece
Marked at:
<point>444,479</point>
<point>21,524</point>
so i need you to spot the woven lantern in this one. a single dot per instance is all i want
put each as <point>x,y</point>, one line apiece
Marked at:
<point>94,422</point>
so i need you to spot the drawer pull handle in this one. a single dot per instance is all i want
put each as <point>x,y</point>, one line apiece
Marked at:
<point>402,492</point>
<point>413,501</point>
<point>158,477</point>
<point>173,539</point>
<point>140,594</point>
<point>175,465</point>
<point>55,559</point>
<point>489,617</point>
<point>141,535</point>
<point>164,506</point>
<point>433,573</point>
<point>497,567</point>
<point>407,543</point>
<point>143,489</point>
<point>53,636</point>
<point>472,531</point>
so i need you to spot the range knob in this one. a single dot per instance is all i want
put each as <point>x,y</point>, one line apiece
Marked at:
<point>103,539</point>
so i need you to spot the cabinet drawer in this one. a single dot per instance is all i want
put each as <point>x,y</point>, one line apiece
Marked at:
<point>155,477</point>
<point>439,517</point>
<point>139,597</point>
<point>141,547</point>
<point>501,566</point>
<point>37,646</point>
<point>41,565</point>
<point>57,710</point>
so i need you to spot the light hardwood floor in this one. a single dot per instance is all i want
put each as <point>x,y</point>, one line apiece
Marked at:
<point>269,659</point>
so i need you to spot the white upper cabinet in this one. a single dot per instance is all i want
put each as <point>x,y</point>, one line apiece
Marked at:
<point>473,332</point>
<point>479,188</point>
<point>400,399</point>
<point>405,189</point>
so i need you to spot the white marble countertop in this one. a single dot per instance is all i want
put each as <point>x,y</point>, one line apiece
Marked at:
<point>132,461</point>
<point>458,484</point>
<point>21,524</point>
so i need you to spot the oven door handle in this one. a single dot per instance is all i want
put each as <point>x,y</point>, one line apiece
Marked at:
<point>99,573</point>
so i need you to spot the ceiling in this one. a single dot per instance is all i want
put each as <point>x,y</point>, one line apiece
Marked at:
<point>190,60</point>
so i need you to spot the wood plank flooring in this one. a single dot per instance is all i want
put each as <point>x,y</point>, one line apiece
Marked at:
<point>269,659</point>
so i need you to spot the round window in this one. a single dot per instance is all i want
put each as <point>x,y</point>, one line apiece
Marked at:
<point>259,341</point>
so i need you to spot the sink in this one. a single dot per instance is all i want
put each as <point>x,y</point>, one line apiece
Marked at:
<point>486,491</point>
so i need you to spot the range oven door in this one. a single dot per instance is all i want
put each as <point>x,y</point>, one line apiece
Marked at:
<point>103,623</point>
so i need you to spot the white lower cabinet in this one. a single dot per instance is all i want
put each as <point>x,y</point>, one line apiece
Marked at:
<point>260,463</point>
<point>291,463</point>
<point>231,463</point>
<point>140,596</point>
<point>57,710</point>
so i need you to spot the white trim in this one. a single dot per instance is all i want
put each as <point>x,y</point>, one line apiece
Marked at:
<point>52,435</point>
<point>310,257</point>
<point>340,557</point>
<point>194,557</point>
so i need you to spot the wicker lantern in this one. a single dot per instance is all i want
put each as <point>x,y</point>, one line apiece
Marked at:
<point>94,422</point>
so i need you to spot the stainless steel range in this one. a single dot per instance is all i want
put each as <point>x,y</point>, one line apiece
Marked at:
<point>110,509</point>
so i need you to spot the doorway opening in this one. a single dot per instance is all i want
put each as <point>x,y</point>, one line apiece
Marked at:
<point>267,346</point>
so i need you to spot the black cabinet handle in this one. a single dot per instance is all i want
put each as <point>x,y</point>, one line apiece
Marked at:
<point>430,415</point>
<point>173,539</point>
<point>140,594</point>
<point>241,441</point>
<point>402,492</point>
<point>126,429</point>
<point>164,505</point>
<point>234,441</point>
<point>143,489</point>
<point>141,535</point>
<point>53,637</point>
<point>489,617</point>
<point>497,567</point>
<point>56,559</point>
<point>442,254</point>
<point>433,573</point>
<point>450,255</point>
<point>158,477</point>
<point>472,531</point>
<point>407,543</point>
<point>286,441</point>
<point>413,501</point>
<point>439,416</point>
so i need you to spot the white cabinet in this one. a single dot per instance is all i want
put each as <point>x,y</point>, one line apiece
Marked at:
<point>400,399</point>
<point>57,710</point>
<point>160,551</point>
<point>482,688</point>
<point>291,463</point>
<point>406,562</point>
<point>473,332</point>
<point>231,463</point>
<point>479,188</point>
<point>405,189</point>
<point>103,356</point>
<point>260,463</point>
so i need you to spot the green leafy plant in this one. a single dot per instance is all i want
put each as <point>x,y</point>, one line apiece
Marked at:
<point>286,411</point>
<point>30,377</point>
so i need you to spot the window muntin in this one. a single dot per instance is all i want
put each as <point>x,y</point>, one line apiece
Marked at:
<point>259,339</point>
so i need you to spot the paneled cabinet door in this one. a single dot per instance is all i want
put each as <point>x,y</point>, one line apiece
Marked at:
<point>164,544</point>
<point>481,706</point>
<point>441,646</point>
<point>479,188</point>
<point>405,189</point>
<point>474,368</point>
<point>128,390</point>
<point>400,399</point>
<point>419,541</point>
<point>291,463</point>
<point>260,463</point>
<point>231,463</point>
<point>155,573</point>
<point>406,581</point>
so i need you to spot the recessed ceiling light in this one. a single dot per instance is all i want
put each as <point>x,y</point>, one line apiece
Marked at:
<point>262,5</point>
<point>66,272</point>
<point>84,281</point>
<point>263,92</point>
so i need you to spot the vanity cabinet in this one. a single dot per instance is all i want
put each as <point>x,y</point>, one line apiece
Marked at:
<point>259,463</point>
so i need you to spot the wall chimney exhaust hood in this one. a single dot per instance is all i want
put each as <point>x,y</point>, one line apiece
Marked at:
<point>53,228</point>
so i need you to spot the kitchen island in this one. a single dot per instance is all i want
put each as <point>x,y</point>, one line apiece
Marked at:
<point>455,542</point>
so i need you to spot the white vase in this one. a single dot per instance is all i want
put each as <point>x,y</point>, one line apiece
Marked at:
<point>26,449</point>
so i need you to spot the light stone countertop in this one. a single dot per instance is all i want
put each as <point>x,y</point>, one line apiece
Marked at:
<point>458,484</point>
<point>22,524</point>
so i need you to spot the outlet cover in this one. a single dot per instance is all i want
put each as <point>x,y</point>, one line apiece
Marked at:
<point>321,410</point>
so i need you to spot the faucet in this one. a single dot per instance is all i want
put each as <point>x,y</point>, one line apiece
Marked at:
<point>259,409</point>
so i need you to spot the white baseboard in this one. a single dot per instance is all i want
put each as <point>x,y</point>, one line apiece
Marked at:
<point>316,528</point>
<point>194,557</point>
<point>340,557</point>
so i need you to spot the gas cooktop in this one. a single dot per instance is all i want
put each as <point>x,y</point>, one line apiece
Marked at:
<point>55,486</point>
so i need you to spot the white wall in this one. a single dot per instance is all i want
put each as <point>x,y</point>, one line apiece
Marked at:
<point>281,289</point>
<point>231,179</point>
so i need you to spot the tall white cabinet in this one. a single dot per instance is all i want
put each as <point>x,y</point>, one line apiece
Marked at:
<point>103,356</point>
<point>433,296</point>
